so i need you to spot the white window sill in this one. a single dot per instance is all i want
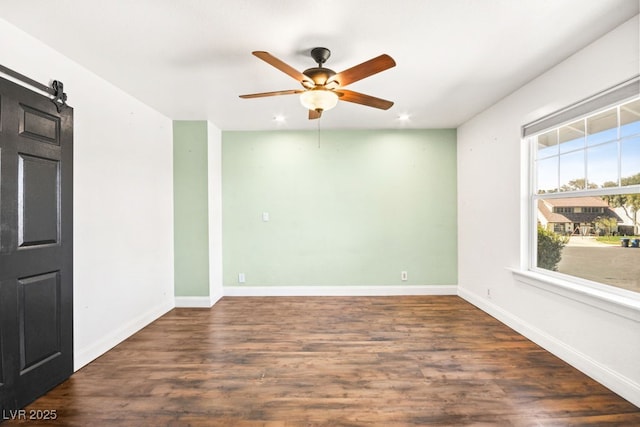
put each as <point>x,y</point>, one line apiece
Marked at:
<point>623,303</point>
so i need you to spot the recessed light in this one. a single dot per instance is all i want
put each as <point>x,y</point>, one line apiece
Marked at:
<point>404,117</point>
<point>279,118</point>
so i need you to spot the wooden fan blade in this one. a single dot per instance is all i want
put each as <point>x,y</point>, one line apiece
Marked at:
<point>280,65</point>
<point>278,92</point>
<point>361,98</point>
<point>313,114</point>
<point>366,69</point>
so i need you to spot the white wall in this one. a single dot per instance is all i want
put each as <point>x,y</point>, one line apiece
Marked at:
<point>123,230</point>
<point>490,182</point>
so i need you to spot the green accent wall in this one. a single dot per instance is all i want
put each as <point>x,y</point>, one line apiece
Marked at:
<point>345,207</point>
<point>191,227</point>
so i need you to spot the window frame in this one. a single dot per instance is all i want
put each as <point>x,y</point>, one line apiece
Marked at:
<point>611,298</point>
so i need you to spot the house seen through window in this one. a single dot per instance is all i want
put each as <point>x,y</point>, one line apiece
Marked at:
<point>585,197</point>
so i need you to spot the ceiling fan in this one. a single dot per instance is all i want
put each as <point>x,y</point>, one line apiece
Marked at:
<point>323,87</point>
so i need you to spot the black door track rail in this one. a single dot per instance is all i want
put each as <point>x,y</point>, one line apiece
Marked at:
<point>56,90</point>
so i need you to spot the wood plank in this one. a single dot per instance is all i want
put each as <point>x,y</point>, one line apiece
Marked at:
<point>331,361</point>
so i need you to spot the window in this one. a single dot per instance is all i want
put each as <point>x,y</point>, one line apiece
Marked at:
<point>560,209</point>
<point>585,190</point>
<point>592,210</point>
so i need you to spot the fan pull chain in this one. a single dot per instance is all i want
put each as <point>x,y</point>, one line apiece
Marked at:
<point>319,132</point>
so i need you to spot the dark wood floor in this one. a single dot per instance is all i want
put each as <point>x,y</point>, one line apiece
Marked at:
<point>332,361</point>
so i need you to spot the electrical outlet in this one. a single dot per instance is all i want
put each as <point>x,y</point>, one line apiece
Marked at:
<point>241,278</point>
<point>404,276</point>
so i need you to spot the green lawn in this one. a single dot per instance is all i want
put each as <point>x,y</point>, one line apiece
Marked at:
<point>614,240</point>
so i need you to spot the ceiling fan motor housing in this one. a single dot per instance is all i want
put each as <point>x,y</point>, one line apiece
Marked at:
<point>319,75</point>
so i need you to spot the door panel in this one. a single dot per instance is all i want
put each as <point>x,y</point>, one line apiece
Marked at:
<point>39,320</point>
<point>39,125</point>
<point>36,255</point>
<point>38,195</point>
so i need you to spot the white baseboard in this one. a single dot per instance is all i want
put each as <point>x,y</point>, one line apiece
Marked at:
<point>279,291</point>
<point>619,384</point>
<point>83,356</point>
<point>195,302</point>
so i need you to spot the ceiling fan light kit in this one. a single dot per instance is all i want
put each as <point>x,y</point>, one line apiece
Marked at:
<point>319,99</point>
<point>323,86</point>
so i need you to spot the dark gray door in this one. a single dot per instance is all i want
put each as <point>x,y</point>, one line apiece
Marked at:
<point>36,253</point>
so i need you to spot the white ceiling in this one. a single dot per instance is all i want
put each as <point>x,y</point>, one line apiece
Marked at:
<point>190,59</point>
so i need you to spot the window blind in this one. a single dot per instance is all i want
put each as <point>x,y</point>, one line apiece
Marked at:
<point>613,95</point>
